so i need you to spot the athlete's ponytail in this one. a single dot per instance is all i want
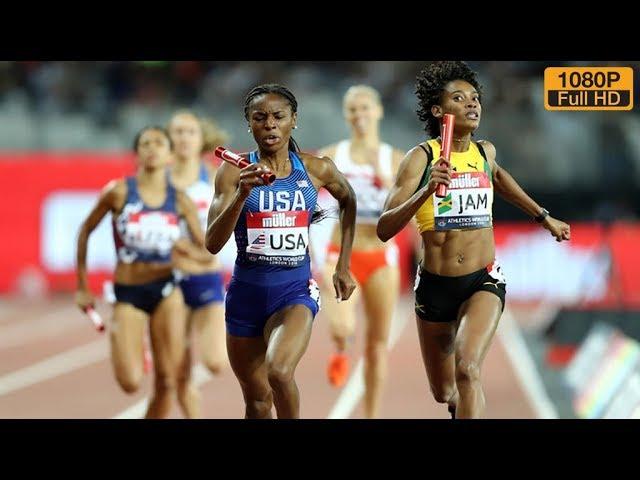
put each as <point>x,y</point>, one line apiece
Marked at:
<point>320,214</point>
<point>293,145</point>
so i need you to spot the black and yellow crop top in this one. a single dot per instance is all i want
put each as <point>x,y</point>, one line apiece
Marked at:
<point>469,200</point>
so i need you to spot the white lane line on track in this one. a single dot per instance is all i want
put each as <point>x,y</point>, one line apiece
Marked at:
<point>353,391</point>
<point>515,347</point>
<point>47,325</point>
<point>54,366</point>
<point>200,376</point>
<point>524,367</point>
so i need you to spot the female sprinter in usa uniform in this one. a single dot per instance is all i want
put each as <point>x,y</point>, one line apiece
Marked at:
<point>146,211</point>
<point>460,288</point>
<point>272,299</point>
<point>203,292</point>
<point>370,166</point>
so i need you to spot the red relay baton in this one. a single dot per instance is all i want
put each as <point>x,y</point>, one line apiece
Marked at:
<point>95,318</point>
<point>447,137</point>
<point>240,162</point>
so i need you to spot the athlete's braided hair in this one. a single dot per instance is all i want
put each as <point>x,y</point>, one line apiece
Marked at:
<point>430,83</point>
<point>279,90</point>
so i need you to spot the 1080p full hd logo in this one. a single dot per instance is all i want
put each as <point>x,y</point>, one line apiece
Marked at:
<point>588,88</point>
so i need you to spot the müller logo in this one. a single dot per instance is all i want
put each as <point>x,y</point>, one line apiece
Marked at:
<point>468,180</point>
<point>279,220</point>
<point>588,88</point>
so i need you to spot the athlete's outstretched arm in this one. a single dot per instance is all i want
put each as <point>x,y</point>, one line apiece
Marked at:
<point>233,186</point>
<point>405,198</point>
<point>112,194</point>
<point>329,177</point>
<point>508,188</point>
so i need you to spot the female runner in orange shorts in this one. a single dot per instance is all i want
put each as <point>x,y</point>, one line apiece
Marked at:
<point>370,166</point>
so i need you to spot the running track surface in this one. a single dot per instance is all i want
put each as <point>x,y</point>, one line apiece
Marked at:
<point>53,364</point>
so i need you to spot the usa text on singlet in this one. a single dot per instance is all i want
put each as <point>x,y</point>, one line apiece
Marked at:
<point>273,229</point>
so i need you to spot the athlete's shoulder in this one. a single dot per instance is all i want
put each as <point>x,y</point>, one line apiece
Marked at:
<point>419,152</point>
<point>310,157</point>
<point>116,187</point>
<point>319,167</point>
<point>312,161</point>
<point>114,193</point>
<point>413,163</point>
<point>489,148</point>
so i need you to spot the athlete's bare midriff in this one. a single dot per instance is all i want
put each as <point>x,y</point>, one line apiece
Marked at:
<point>457,252</point>
<point>138,273</point>
<point>214,265</point>
<point>365,238</point>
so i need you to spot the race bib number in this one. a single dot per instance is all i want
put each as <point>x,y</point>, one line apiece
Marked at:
<point>278,238</point>
<point>151,232</point>
<point>467,204</point>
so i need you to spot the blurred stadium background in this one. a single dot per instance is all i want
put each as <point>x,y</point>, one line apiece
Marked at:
<point>567,346</point>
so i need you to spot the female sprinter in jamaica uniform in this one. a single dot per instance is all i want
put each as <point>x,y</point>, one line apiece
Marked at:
<point>272,299</point>
<point>460,288</point>
<point>146,211</point>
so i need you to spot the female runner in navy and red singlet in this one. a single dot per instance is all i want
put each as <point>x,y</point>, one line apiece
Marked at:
<point>272,299</point>
<point>146,210</point>
<point>203,292</point>
<point>370,167</point>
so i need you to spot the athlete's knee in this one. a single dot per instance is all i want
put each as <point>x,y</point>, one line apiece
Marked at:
<point>183,381</point>
<point>165,382</point>
<point>130,381</point>
<point>279,374</point>
<point>129,385</point>
<point>259,406</point>
<point>214,364</point>
<point>376,351</point>
<point>443,393</point>
<point>467,371</point>
<point>215,367</point>
<point>341,331</point>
